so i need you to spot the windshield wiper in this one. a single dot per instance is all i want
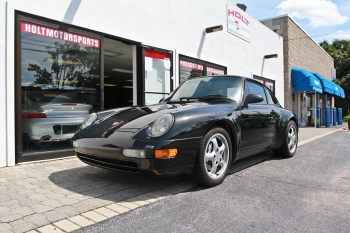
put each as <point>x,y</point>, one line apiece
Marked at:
<point>189,98</point>
<point>214,97</point>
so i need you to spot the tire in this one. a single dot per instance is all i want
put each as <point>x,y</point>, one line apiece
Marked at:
<point>215,148</point>
<point>290,142</point>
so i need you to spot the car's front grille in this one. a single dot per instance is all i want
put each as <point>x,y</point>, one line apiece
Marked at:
<point>113,164</point>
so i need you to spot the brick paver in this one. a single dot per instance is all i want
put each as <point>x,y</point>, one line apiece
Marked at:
<point>63,195</point>
<point>81,221</point>
<point>66,225</point>
<point>94,216</point>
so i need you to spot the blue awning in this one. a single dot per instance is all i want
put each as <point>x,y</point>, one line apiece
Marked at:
<point>336,90</point>
<point>339,91</point>
<point>305,81</point>
<point>327,85</point>
<point>330,87</point>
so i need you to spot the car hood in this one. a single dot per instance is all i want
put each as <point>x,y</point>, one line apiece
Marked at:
<point>132,119</point>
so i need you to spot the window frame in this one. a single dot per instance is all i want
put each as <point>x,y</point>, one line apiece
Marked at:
<point>204,63</point>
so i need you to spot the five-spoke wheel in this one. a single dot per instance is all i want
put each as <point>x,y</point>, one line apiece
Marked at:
<point>214,158</point>
<point>290,142</point>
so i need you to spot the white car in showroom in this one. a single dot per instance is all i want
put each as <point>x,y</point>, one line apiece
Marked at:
<point>59,119</point>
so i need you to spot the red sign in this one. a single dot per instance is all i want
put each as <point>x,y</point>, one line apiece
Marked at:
<point>59,34</point>
<point>156,54</point>
<point>268,84</point>
<point>215,71</point>
<point>191,65</point>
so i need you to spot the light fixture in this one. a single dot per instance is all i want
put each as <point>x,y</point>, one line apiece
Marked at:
<point>270,56</point>
<point>127,86</point>
<point>122,70</point>
<point>107,85</point>
<point>279,31</point>
<point>213,29</point>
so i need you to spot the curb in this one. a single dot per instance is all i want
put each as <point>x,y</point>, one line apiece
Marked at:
<point>92,217</point>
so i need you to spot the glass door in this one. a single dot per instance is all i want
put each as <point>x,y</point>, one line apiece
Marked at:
<point>158,75</point>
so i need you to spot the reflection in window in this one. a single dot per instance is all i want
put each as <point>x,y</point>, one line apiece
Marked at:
<point>190,70</point>
<point>157,76</point>
<point>59,80</point>
<point>258,90</point>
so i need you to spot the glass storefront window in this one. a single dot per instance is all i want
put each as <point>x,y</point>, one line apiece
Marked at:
<point>157,75</point>
<point>190,70</point>
<point>60,78</point>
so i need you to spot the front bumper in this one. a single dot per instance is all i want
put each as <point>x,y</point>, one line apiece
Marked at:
<point>99,152</point>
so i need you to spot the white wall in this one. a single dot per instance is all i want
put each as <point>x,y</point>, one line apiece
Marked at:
<point>3,138</point>
<point>168,24</point>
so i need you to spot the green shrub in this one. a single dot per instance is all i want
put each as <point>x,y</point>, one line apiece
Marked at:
<point>346,118</point>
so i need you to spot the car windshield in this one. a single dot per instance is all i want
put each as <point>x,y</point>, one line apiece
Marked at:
<point>204,88</point>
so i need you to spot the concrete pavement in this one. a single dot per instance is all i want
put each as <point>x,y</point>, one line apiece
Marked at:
<point>65,195</point>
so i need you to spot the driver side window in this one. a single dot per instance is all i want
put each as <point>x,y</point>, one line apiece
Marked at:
<point>254,88</point>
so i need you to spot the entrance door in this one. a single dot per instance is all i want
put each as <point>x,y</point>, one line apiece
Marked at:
<point>118,74</point>
<point>158,80</point>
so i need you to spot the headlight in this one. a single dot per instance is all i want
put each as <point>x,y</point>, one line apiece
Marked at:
<point>89,120</point>
<point>162,125</point>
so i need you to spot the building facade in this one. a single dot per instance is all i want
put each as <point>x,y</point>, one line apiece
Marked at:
<point>61,60</point>
<point>308,72</point>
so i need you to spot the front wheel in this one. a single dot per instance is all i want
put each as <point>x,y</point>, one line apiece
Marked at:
<point>213,159</point>
<point>290,142</point>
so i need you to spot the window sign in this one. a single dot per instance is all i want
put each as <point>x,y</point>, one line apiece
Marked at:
<point>59,34</point>
<point>213,71</point>
<point>190,70</point>
<point>238,22</point>
<point>191,65</point>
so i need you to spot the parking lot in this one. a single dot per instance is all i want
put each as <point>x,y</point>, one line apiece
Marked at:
<point>66,195</point>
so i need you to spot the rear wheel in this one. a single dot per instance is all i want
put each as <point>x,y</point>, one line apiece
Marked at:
<point>214,158</point>
<point>290,142</point>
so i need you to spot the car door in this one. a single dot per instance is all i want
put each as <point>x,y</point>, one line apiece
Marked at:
<point>256,121</point>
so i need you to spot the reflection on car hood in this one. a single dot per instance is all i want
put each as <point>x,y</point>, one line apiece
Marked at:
<point>133,118</point>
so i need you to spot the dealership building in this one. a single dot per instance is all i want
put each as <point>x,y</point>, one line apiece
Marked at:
<point>309,74</point>
<point>76,56</point>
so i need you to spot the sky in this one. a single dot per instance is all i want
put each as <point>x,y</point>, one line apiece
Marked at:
<point>320,19</point>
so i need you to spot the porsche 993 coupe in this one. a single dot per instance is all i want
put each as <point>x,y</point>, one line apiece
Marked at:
<point>202,127</point>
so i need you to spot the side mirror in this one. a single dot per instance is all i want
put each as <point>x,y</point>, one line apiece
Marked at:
<point>252,98</point>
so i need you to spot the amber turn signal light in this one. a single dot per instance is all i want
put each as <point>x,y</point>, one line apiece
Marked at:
<point>164,154</point>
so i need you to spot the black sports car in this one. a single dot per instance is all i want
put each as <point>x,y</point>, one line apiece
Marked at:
<point>200,129</point>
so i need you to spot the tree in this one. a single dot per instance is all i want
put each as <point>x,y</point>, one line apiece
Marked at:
<point>340,51</point>
<point>72,66</point>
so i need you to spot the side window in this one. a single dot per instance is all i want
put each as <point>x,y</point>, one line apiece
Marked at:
<point>257,89</point>
<point>246,90</point>
<point>271,99</point>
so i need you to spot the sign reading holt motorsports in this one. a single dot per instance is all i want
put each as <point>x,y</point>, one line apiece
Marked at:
<point>238,23</point>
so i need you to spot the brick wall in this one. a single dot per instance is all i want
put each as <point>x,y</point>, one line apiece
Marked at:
<point>299,51</point>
